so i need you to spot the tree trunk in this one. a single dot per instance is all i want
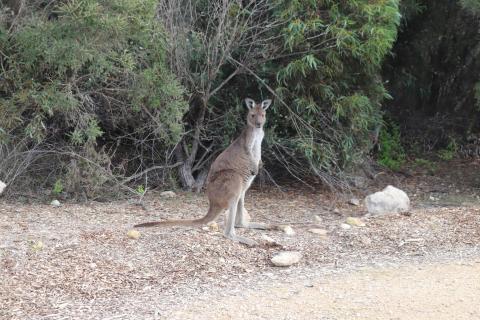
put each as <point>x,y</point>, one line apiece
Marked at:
<point>188,157</point>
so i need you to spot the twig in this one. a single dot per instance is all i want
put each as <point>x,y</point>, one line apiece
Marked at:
<point>135,176</point>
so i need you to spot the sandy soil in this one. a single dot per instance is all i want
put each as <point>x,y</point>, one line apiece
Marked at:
<point>434,290</point>
<point>77,262</point>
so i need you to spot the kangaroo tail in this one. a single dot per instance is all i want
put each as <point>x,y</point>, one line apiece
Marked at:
<point>213,213</point>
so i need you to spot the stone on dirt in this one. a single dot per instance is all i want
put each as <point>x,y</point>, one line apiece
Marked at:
<point>318,231</point>
<point>55,203</point>
<point>345,226</point>
<point>356,222</point>
<point>269,242</point>
<point>354,202</point>
<point>287,230</point>
<point>389,200</point>
<point>286,258</point>
<point>168,194</point>
<point>133,234</point>
<point>2,186</point>
<point>213,226</point>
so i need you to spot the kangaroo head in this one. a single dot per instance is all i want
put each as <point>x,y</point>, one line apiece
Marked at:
<point>256,112</point>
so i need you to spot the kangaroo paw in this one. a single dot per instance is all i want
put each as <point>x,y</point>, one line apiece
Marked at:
<point>254,225</point>
<point>246,241</point>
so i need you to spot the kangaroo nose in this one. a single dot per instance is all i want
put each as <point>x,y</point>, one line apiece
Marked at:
<point>258,124</point>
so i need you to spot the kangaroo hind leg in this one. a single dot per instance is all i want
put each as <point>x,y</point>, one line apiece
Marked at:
<point>241,221</point>
<point>230,226</point>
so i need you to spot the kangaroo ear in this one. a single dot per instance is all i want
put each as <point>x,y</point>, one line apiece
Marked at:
<point>250,103</point>
<point>266,104</point>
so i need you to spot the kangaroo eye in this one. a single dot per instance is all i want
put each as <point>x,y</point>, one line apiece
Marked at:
<point>252,115</point>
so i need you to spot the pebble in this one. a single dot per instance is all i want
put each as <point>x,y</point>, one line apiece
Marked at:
<point>269,241</point>
<point>345,226</point>
<point>168,194</point>
<point>213,226</point>
<point>133,234</point>
<point>354,202</point>
<point>356,222</point>
<point>286,258</point>
<point>287,230</point>
<point>37,245</point>
<point>55,203</point>
<point>318,231</point>
<point>2,186</point>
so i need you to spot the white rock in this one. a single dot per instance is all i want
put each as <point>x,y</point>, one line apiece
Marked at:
<point>389,200</point>
<point>55,203</point>
<point>345,226</point>
<point>354,202</point>
<point>318,231</point>
<point>286,258</point>
<point>2,186</point>
<point>318,219</point>
<point>168,194</point>
<point>288,230</point>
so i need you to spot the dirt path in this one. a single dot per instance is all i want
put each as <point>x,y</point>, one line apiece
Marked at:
<point>76,261</point>
<point>425,291</point>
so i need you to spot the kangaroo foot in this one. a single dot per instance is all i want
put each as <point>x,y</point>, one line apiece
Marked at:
<point>254,225</point>
<point>246,241</point>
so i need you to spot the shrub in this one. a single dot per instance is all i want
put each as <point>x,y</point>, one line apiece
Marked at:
<point>391,153</point>
<point>89,79</point>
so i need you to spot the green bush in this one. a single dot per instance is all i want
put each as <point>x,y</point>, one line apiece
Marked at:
<point>330,82</point>
<point>450,151</point>
<point>391,153</point>
<point>89,77</point>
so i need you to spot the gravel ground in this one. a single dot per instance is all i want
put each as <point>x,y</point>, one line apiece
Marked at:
<point>76,261</point>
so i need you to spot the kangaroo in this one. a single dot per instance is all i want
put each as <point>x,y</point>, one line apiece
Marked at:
<point>230,176</point>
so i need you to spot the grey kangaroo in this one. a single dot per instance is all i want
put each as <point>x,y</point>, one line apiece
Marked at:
<point>230,176</point>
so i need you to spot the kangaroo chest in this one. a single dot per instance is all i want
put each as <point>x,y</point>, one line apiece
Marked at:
<point>256,144</point>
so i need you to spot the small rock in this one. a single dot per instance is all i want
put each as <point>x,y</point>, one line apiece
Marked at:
<point>318,231</point>
<point>37,245</point>
<point>432,198</point>
<point>337,211</point>
<point>345,226</point>
<point>354,202</point>
<point>269,241</point>
<point>55,203</point>
<point>168,194</point>
<point>389,200</point>
<point>287,230</point>
<point>2,186</point>
<point>356,222</point>
<point>318,219</point>
<point>213,226</point>
<point>286,258</point>
<point>133,234</point>
<point>92,265</point>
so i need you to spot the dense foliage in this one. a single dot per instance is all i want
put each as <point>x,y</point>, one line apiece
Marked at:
<point>330,82</point>
<point>139,93</point>
<point>433,77</point>
<point>88,80</point>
